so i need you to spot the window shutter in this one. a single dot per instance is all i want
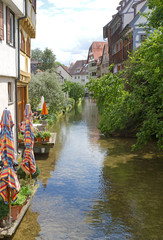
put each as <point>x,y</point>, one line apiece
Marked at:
<point>1,22</point>
<point>8,25</point>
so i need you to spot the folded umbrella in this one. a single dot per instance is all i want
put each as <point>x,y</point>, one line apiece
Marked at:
<point>9,184</point>
<point>28,162</point>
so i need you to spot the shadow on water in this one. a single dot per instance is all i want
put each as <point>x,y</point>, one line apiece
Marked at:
<point>95,188</point>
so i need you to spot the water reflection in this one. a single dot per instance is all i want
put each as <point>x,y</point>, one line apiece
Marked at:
<point>95,188</point>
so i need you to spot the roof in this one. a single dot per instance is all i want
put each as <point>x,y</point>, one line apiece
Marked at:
<point>97,49</point>
<point>65,68</point>
<point>80,67</point>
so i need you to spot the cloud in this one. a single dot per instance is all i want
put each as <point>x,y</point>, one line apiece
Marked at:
<point>70,27</point>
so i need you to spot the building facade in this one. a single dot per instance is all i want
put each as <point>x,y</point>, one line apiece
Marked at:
<point>63,74</point>
<point>119,32</point>
<point>79,72</point>
<point>95,51</point>
<point>27,32</point>
<point>10,14</point>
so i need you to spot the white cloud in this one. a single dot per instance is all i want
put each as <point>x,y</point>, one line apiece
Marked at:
<point>69,27</point>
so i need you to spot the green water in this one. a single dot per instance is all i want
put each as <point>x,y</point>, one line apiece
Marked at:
<point>95,188</point>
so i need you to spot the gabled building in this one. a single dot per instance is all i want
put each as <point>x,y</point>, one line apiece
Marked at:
<point>119,32</point>
<point>79,72</point>
<point>27,32</point>
<point>99,67</point>
<point>63,73</point>
<point>95,51</point>
<point>10,14</point>
<point>105,60</point>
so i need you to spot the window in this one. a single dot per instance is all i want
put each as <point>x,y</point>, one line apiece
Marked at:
<point>143,37</point>
<point>78,77</point>
<point>28,48</point>
<point>1,22</point>
<point>10,28</point>
<point>22,42</point>
<point>94,74</point>
<point>10,92</point>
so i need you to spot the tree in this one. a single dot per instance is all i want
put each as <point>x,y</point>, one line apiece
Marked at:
<point>48,60</point>
<point>36,54</point>
<point>133,100</point>
<point>155,17</point>
<point>46,84</point>
<point>74,89</point>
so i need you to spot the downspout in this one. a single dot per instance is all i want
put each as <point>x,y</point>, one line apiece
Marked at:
<point>18,78</point>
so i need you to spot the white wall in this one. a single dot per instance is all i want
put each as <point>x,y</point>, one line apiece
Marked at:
<point>4,98</point>
<point>17,6</point>
<point>8,54</point>
<point>64,73</point>
<point>82,79</point>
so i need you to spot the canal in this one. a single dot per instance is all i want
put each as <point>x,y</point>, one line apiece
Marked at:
<point>95,188</point>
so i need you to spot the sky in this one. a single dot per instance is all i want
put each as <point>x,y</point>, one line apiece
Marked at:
<point>68,27</point>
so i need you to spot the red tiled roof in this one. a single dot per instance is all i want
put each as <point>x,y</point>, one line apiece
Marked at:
<point>97,49</point>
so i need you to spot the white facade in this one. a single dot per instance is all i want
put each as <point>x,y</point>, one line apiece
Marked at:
<point>82,79</point>
<point>9,53</point>
<point>64,75</point>
<point>139,32</point>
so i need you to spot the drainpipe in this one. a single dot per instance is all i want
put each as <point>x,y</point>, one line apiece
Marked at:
<point>18,78</point>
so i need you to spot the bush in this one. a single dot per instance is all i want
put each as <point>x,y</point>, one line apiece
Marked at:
<point>4,209</point>
<point>22,175</point>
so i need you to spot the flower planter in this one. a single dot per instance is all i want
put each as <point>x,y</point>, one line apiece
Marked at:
<point>15,210</point>
<point>46,139</point>
<point>39,139</point>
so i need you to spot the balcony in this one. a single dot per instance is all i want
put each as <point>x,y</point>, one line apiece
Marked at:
<point>117,57</point>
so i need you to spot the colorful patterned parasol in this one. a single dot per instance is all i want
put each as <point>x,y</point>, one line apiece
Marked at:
<point>28,163</point>
<point>9,184</point>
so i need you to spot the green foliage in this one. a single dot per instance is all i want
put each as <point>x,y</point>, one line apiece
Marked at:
<point>155,17</point>
<point>46,134</point>
<point>45,58</point>
<point>22,175</point>
<point>36,54</point>
<point>132,101</point>
<point>46,84</point>
<point>48,60</point>
<point>24,192</point>
<point>4,209</point>
<point>74,89</point>
<point>20,136</point>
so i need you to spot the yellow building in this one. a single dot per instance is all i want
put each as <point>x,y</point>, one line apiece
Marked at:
<point>27,32</point>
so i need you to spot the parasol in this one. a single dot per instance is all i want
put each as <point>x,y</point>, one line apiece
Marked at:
<point>44,109</point>
<point>9,184</point>
<point>28,162</point>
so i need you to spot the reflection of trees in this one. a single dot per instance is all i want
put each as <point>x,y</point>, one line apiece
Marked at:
<point>130,195</point>
<point>29,227</point>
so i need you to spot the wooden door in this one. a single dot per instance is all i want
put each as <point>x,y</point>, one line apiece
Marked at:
<point>21,97</point>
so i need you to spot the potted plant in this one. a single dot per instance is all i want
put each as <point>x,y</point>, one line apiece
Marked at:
<point>39,136</point>
<point>16,206</point>
<point>46,136</point>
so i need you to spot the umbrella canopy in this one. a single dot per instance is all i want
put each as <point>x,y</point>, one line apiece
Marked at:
<point>44,109</point>
<point>8,177</point>
<point>28,163</point>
